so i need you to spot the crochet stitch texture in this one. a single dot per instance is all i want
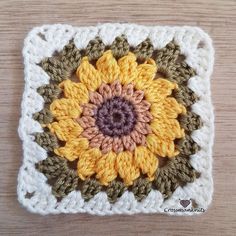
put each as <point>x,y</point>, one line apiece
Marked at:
<point>116,119</point>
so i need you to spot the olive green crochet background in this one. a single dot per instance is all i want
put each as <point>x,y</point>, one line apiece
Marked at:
<point>172,173</point>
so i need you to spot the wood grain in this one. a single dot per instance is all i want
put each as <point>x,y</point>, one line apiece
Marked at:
<point>216,17</point>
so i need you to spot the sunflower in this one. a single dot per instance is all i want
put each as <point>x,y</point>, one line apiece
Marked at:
<point>116,119</point>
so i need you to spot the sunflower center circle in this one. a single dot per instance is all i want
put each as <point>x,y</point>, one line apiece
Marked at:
<point>116,117</point>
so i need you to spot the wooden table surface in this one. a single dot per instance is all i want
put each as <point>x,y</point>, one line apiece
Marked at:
<point>218,18</point>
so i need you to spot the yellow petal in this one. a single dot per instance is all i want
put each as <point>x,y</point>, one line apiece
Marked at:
<point>105,168</point>
<point>163,148</point>
<point>158,110</point>
<point>128,68</point>
<point>173,108</point>
<point>88,75</point>
<point>73,148</point>
<point>87,163</point>
<point>65,108</point>
<point>65,129</point>
<point>76,91</point>
<point>107,65</point>
<point>158,90</point>
<point>146,161</point>
<point>126,167</point>
<point>169,108</point>
<point>146,73</point>
<point>166,128</point>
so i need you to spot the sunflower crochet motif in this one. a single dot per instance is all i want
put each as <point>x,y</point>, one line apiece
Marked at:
<point>116,119</point>
<point>118,122</point>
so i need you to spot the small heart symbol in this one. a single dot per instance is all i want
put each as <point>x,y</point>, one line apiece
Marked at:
<point>184,203</point>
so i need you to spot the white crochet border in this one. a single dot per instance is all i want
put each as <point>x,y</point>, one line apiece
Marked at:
<point>42,42</point>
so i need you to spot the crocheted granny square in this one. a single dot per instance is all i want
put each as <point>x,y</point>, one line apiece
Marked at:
<point>116,119</point>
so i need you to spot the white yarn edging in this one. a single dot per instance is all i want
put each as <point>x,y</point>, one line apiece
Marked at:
<point>42,42</point>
